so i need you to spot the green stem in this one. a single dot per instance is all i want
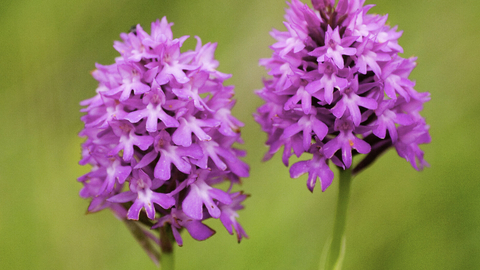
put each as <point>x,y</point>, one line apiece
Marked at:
<point>337,247</point>
<point>167,261</point>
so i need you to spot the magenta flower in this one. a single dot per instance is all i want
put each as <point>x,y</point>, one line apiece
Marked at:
<point>334,47</point>
<point>159,137</point>
<point>339,89</point>
<point>316,167</point>
<point>229,214</point>
<point>142,195</point>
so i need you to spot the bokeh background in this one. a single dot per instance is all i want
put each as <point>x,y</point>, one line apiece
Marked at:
<point>398,218</point>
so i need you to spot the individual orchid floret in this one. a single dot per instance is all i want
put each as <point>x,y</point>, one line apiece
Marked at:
<point>178,220</point>
<point>335,47</point>
<point>338,89</point>
<point>153,112</point>
<point>345,141</point>
<point>115,173</point>
<point>229,215</point>
<point>128,139</point>
<point>350,102</point>
<point>329,79</point>
<point>160,136</point>
<point>409,137</point>
<point>201,194</point>
<point>142,196</point>
<point>309,125</point>
<point>294,41</point>
<point>131,80</point>
<point>316,167</point>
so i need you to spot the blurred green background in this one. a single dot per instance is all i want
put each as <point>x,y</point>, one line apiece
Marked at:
<point>398,218</point>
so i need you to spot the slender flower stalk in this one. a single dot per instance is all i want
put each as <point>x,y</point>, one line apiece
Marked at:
<point>166,249</point>
<point>159,139</point>
<point>338,90</point>
<point>166,240</point>
<point>337,247</point>
<point>168,262</point>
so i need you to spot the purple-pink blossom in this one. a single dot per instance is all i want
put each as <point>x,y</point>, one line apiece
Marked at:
<point>338,88</point>
<point>160,135</point>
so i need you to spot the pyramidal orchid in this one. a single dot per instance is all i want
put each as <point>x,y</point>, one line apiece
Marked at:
<point>159,138</point>
<point>339,89</point>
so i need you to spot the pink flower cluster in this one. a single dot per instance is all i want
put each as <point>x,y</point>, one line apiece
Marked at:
<point>159,136</point>
<point>339,88</point>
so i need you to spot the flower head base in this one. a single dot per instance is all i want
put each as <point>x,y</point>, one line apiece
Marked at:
<point>339,88</point>
<point>160,134</point>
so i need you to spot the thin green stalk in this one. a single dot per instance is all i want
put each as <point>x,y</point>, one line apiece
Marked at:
<point>337,247</point>
<point>167,261</point>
